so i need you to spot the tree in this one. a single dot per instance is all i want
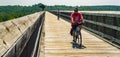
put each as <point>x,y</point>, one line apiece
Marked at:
<point>42,6</point>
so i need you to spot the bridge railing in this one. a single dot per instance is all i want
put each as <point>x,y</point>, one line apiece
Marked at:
<point>106,24</point>
<point>32,48</point>
<point>15,34</point>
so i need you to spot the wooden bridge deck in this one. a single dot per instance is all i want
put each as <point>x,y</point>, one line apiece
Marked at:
<point>57,41</point>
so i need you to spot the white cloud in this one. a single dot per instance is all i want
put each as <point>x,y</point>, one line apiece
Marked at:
<point>60,2</point>
<point>81,2</point>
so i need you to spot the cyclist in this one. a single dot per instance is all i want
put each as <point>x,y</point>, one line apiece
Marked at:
<point>76,17</point>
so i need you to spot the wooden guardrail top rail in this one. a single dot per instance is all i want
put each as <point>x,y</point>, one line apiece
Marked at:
<point>11,30</point>
<point>100,13</point>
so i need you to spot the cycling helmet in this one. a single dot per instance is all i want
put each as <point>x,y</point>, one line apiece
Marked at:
<point>76,10</point>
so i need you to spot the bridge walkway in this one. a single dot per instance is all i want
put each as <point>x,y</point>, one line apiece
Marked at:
<point>57,41</point>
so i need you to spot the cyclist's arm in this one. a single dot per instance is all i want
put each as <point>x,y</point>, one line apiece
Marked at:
<point>72,21</point>
<point>82,18</point>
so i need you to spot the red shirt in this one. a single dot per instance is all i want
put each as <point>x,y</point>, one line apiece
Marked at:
<point>77,17</point>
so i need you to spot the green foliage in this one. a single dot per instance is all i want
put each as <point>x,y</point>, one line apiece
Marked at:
<point>100,8</point>
<point>11,12</point>
<point>60,7</point>
<point>41,6</point>
<point>85,8</point>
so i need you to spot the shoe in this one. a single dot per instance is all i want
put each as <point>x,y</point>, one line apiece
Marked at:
<point>80,46</point>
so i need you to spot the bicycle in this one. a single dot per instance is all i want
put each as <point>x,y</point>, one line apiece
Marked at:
<point>78,40</point>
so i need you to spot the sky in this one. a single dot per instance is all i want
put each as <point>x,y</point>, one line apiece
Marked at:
<point>60,2</point>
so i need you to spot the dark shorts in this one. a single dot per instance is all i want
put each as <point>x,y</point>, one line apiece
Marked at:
<point>74,28</point>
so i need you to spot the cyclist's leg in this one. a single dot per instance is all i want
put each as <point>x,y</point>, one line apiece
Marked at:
<point>73,33</point>
<point>80,35</point>
<point>80,26</point>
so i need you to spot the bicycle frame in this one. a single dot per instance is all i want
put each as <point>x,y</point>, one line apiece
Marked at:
<point>78,35</point>
<point>77,30</point>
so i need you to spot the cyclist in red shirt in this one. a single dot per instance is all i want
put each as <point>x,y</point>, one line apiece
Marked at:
<point>76,17</point>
